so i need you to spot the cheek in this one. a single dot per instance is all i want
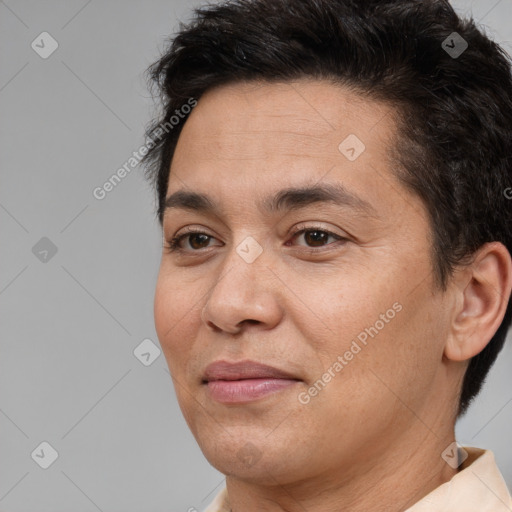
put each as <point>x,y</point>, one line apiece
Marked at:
<point>379,325</point>
<point>402,356</point>
<point>174,313</point>
<point>163,298</point>
<point>377,384</point>
<point>164,310</point>
<point>333,307</point>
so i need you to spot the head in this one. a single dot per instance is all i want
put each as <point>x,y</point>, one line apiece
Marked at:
<point>345,174</point>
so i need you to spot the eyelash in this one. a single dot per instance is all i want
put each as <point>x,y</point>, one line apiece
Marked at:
<point>173,243</point>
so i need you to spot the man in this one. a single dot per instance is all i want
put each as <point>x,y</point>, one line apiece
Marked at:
<point>335,283</point>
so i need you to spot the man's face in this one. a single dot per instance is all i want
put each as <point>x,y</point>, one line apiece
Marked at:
<point>337,294</point>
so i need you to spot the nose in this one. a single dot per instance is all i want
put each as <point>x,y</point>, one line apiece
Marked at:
<point>244,294</point>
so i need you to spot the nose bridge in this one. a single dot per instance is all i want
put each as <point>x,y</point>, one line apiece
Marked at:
<point>242,271</point>
<point>244,290</point>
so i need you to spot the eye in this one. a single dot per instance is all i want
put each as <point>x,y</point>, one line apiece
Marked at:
<point>191,241</point>
<point>195,241</point>
<point>316,237</point>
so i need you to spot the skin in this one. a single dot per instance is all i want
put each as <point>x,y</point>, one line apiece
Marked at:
<point>372,438</point>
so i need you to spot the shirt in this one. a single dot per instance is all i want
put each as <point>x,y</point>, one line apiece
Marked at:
<point>477,487</point>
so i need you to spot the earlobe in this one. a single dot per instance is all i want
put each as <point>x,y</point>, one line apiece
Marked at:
<point>482,295</point>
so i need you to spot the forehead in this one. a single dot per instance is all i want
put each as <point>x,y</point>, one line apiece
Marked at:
<point>246,141</point>
<point>261,120</point>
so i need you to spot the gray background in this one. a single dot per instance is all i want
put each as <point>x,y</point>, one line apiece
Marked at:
<point>69,326</point>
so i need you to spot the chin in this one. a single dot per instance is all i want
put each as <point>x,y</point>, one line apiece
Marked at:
<point>263,462</point>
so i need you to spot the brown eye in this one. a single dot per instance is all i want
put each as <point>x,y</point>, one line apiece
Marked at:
<point>314,237</point>
<point>198,240</point>
<point>191,241</point>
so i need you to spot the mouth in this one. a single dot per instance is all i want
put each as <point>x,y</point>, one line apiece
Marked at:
<point>245,381</point>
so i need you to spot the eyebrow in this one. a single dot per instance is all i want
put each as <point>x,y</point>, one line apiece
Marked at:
<point>285,200</point>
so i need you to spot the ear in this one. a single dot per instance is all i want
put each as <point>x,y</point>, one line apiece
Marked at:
<point>482,292</point>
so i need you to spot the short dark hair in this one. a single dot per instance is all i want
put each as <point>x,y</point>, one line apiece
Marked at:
<point>453,145</point>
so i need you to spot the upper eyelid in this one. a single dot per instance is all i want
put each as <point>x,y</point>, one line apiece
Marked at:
<point>298,229</point>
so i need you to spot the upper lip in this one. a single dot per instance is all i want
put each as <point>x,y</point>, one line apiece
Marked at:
<point>224,370</point>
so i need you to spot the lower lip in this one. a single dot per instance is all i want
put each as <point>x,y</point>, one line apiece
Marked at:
<point>247,390</point>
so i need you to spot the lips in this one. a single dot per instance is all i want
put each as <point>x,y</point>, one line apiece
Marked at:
<point>244,381</point>
<point>222,370</point>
